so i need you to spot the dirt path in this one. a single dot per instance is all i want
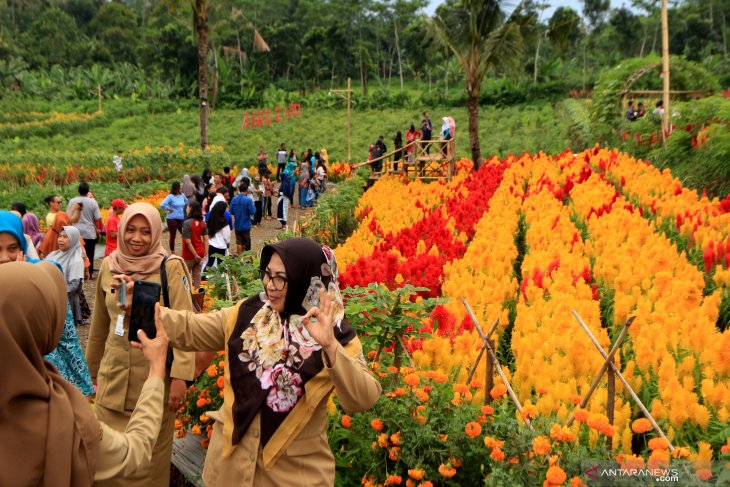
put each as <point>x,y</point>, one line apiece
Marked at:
<point>264,232</point>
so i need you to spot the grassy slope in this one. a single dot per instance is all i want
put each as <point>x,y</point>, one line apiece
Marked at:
<point>514,129</point>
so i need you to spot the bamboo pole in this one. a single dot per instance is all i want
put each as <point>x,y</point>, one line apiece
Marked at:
<point>481,352</point>
<point>624,382</point>
<point>666,121</point>
<point>599,375</point>
<point>490,351</point>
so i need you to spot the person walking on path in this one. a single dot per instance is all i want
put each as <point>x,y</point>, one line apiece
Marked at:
<point>85,215</point>
<point>112,225</point>
<point>281,156</point>
<point>426,130</point>
<point>411,135</point>
<point>174,204</point>
<point>69,257</point>
<point>243,211</point>
<point>303,184</point>
<point>194,241</point>
<point>219,233</point>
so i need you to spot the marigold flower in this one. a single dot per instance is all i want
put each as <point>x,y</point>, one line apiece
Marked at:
<point>376,424</point>
<point>416,473</point>
<point>473,429</point>
<point>641,425</point>
<point>490,442</point>
<point>704,474</point>
<point>577,482</point>
<point>529,411</point>
<point>487,409</point>
<point>497,455</point>
<point>421,419</point>
<point>212,371</point>
<point>204,418</point>
<point>461,388</point>
<point>575,400</point>
<point>498,391</point>
<point>421,395</point>
<point>513,460</point>
<point>555,475</point>
<point>541,445</point>
<point>396,439</point>
<point>201,402</point>
<point>426,483</point>
<point>447,471</point>
<point>346,421</point>
<point>220,382</point>
<point>383,440</point>
<point>412,380</point>
<point>392,370</point>
<point>581,415</point>
<point>178,424</point>
<point>441,378</point>
<point>443,437</point>
<point>658,444</point>
<point>204,443</point>
<point>394,453</point>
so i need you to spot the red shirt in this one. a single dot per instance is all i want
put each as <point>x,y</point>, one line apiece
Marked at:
<point>112,225</point>
<point>193,230</point>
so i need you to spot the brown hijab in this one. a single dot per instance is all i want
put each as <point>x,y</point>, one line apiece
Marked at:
<point>50,436</point>
<point>50,241</point>
<point>121,261</point>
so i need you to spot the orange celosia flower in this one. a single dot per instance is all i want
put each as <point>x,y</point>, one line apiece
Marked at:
<point>346,421</point>
<point>376,424</point>
<point>641,425</point>
<point>498,391</point>
<point>447,471</point>
<point>555,475</point>
<point>681,452</point>
<point>541,445</point>
<point>416,473</point>
<point>412,380</point>
<point>473,429</point>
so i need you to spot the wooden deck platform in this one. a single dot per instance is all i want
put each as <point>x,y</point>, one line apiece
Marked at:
<point>188,456</point>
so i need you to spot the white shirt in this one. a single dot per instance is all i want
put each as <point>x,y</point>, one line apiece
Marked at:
<point>222,239</point>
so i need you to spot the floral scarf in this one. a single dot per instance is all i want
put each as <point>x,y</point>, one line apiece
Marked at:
<point>271,355</point>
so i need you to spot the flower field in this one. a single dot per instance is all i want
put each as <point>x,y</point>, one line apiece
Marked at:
<point>527,240</point>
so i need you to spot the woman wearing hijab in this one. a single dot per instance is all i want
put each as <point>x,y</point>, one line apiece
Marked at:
<point>68,356</point>
<point>188,188</point>
<point>50,435</point>
<point>30,227</point>
<point>50,241</point>
<point>119,370</point>
<point>69,257</point>
<point>286,350</point>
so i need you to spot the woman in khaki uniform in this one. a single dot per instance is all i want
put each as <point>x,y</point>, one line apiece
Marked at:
<point>120,370</point>
<point>49,433</point>
<point>286,351</point>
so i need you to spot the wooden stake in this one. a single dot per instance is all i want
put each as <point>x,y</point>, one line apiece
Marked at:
<point>624,382</point>
<point>481,352</point>
<point>599,375</point>
<point>610,400</point>
<point>490,351</point>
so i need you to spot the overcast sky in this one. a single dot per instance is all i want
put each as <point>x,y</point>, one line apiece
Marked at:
<point>553,4</point>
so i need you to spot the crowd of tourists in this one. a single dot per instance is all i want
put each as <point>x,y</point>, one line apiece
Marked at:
<point>294,334</point>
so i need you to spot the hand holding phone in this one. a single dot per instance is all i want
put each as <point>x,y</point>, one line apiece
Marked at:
<point>142,317</point>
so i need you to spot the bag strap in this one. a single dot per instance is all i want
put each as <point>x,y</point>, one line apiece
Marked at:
<point>163,283</point>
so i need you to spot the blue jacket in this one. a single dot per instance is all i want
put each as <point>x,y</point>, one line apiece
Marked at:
<point>176,203</point>
<point>243,211</point>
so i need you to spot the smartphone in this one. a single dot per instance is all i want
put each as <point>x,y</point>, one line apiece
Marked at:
<point>142,317</point>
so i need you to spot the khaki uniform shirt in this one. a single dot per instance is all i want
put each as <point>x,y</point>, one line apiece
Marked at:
<point>121,370</point>
<point>298,453</point>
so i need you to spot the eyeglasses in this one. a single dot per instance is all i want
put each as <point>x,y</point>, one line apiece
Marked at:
<point>278,281</point>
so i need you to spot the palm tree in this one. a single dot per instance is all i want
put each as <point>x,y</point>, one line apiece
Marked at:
<point>481,38</point>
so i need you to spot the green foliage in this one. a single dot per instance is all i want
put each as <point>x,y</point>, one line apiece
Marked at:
<point>243,278</point>
<point>333,218</point>
<point>384,317</point>
<point>606,112</point>
<point>104,193</point>
<point>54,39</point>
